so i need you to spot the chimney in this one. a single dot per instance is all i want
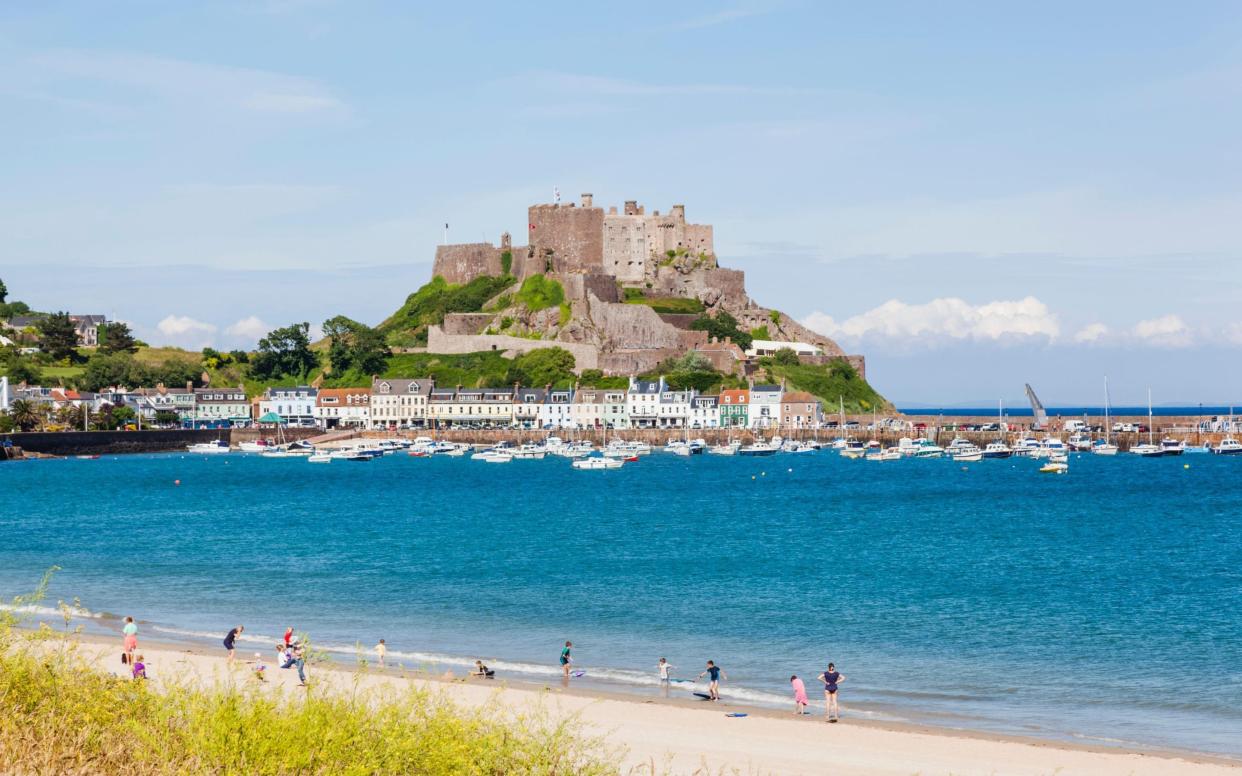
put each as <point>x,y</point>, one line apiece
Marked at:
<point>189,385</point>
<point>587,199</point>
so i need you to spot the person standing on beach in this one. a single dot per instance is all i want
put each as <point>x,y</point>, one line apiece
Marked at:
<point>799,689</point>
<point>381,649</point>
<point>566,658</point>
<point>299,660</point>
<point>288,635</point>
<point>230,641</point>
<point>831,679</point>
<point>713,688</point>
<point>131,640</point>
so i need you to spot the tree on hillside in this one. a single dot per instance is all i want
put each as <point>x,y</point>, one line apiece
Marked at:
<point>105,370</point>
<point>17,367</point>
<point>721,326</point>
<point>4,292</point>
<point>785,357</point>
<point>24,414</point>
<point>58,336</point>
<point>285,352</point>
<point>545,366</point>
<point>116,337</point>
<point>355,346</point>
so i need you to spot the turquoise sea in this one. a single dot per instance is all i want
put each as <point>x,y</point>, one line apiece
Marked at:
<point>1100,606</point>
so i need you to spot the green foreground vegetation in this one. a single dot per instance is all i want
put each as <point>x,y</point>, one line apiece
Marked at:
<point>58,714</point>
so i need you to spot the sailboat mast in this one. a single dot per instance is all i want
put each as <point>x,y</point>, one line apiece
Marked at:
<point>1107,428</point>
<point>1150,430</point>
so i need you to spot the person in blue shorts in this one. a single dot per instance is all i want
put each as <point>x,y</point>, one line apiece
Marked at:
<point>566,658</point>
<point>831,678</point>
<point>713,670</point>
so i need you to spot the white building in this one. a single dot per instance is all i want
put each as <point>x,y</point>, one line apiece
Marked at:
<point>674,408</point>
<point>295,406</point>
<point>399,403</point>
<point>343,408</point>
<point>588,408</point>
<point>760,348</point>
<point>557,409</point>
<point>765,406</point>
<point>705,412</point>
<point>642,402</point>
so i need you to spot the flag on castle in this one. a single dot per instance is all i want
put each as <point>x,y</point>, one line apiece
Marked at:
<point>556,194</point>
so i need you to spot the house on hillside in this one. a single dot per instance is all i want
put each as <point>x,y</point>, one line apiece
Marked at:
<point>764,410</point>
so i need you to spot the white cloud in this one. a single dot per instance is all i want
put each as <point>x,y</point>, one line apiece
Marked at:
<point>1233,333</point>
<point>1167,331</point>
<point>943,319</point>
<point>186,331</point>
<point>203,84</point>
<point>1092,332</point>
<point>251,327</point>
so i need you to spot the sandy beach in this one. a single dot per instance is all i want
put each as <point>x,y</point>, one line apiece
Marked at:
<point>676,736</point>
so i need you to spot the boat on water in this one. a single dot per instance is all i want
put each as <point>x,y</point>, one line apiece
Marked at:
<point>352,454</point>
<point>852,448</point>
<point>1027,447</point>
<point>800,448</point>
<point>257,446</point>
<point>677,447</point>
<point>1054,467</point>
<point>1080,442</point>
<point>1148,449</point>
<point>1172,446</point>
<point>597,461</point>
<point>528,452</point>
<point>927,449</point>
<point>729,449</point>
<point>965,453</point>
<point>758,448</point>
<point>456,451</point>
<point>209,448</point>
<point>1228,446</point>
<point>884,454</point>
<point>320,457</point>
<point>1202,449</point>
<point>1105,446</point>
<point>492,455</point>
<point>997,450</point>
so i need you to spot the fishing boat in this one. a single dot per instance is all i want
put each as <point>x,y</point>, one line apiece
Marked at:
<point>928,449</point>
<point>209,448</point>
<point>997,450</point>
<point>1228,446</point>
<point>597,461</point>
<point>758,448</point>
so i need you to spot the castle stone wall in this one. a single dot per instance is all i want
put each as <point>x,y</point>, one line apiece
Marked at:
<point>467,261</point>
<point>632,327</point>
<point>466,323</point>
<point>585,356</point>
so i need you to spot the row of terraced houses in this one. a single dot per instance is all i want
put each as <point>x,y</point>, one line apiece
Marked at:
<point>394,404</point>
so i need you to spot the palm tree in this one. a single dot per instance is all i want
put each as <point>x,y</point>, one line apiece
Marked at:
<point>24,414</point>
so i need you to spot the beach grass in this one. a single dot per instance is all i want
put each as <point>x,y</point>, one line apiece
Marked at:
<point>59,714</point>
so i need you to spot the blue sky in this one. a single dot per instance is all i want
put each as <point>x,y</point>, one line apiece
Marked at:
<point>973,195</point>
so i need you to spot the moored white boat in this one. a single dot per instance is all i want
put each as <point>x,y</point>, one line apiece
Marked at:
<point>320,458</point>
<point>1228,446</point>
<point>965,453</point>
<point>209,448</point>
<point>997,450</point>
<point>596,462</point>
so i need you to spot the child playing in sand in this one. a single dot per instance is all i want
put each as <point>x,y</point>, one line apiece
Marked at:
<point>381,649</point>
<point>799,689</point>
<point>140,668</point>
<point>482,671</point>
<point>259,668</point>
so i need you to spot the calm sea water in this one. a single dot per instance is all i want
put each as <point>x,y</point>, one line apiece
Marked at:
<point>1105,605</point>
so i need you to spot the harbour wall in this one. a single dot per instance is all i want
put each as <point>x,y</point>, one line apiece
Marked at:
<point>61,443</point>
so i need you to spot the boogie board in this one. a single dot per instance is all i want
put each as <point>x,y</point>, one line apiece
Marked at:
<point>576,674</point>
<point>703,695</point>
<point>736,714</point>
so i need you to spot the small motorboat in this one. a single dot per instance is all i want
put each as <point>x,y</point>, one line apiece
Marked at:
<point>966,453</point>
<point>209,448</point>
<point>599,462</point>
<point>1172,446</point>
<point>997,450</point>
<point>1228,446</point>
<point>1054,467</point>
<point>1148,450</point>
<point>320,457</point>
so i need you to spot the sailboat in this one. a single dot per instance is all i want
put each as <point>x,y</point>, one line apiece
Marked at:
<point>1148,449</point>
<point>998,449</point>
<point>1104,446</point>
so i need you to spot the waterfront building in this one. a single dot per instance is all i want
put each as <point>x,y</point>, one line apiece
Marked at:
<point>440,404</point>
<point>734,406</point>
<point>615,413</point>
<point>764,410</point>
<point>221,407</point>
<point>800,409</point>
<point>674,408</point>
<point>343,408</point>
<point>705,412</point>
<point>643,402</point>
<point>164,399</point>
<point>557,408</point>
<point>295,406</point>
<point>526,404</point>
<point>587,410</point>
<point>497,406</point>
<point>399,403</point>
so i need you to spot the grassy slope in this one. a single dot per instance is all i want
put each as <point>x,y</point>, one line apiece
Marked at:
<point>428,305</point>
<point>831,383</point>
